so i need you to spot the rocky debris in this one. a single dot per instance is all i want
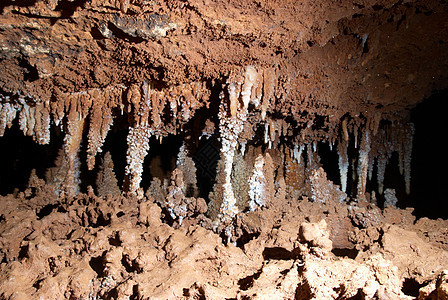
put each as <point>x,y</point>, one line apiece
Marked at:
<point>113,246</point>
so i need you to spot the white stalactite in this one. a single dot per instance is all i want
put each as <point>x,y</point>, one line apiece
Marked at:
<point>138,137</point>
<point>407,155</point>
<point>138,148</point>
<point>343,163</point>
<point>231,125</point>
<point>381,170</point>
<point>7,114</point>
<point>363,164</point>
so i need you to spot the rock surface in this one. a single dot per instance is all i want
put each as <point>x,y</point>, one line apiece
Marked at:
<point>115,247</point>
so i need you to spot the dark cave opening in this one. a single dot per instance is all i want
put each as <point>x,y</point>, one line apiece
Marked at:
<point>429,158</point>
<point>206,159</point>
<point>19,155</point>
<point>329,160</point>
<point>161,159</point>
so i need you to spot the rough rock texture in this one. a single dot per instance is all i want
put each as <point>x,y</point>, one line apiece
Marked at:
<point>359,55</point>
<point>369,57</point>
<point>124,248</point>
<point>263,95</point>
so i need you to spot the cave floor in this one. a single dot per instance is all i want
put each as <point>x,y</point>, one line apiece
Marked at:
<point>117,247</point>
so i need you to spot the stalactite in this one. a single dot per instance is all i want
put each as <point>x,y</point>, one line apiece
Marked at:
<point>23,118</point>
<point>343,163</point>
<point>381,170</point>
<point>42,126</point>
<point>233,98</point>
<point>269,78</point>
<point>72,143</point>
<point>7,115</point>
<point>124,5</point>
<point>407,150</point>
<point>100,122</point>
<point>266,132</point>
<point>363,163</point>
<point>345,130</point>
<point>230,128</point>
<point>138,136</point>
<point>208,130</point>
<point>250,78</point>
<point>257,89</point>
<point>297,152</point>
<point>313,157</point>
<point>272,134</point>
<point>57,109</point>
<point>375,123</point>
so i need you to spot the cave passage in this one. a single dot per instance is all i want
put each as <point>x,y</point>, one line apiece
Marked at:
<point>20,155</point>
<point>429,158</point>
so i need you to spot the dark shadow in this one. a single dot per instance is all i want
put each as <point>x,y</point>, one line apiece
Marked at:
<point>429,159</point>
<point>19,3</point>
<point>278,253</point>
<point>96,263</point>
<point>411,287</point>
<point>247,282</point>
<point>345,252</point>
<point>19,155</point>
<point>68,7</point>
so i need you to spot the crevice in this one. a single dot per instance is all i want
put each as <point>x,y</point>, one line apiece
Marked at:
<point>97,264</point>
<point>46,210</point>
<point>345,252</point>
<point>411,287</point>
<point>248,281</point>
<point>279,253</point>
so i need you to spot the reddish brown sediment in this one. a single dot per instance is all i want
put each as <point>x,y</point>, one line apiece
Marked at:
<point>267,84</point>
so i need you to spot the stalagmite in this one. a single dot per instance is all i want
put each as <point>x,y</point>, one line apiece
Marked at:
<point>186,165</point>
<point>261,182</point>
<point>363,163</point>
<point>257,185</point>
<point>175,199</point>
<point>106,181</point>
